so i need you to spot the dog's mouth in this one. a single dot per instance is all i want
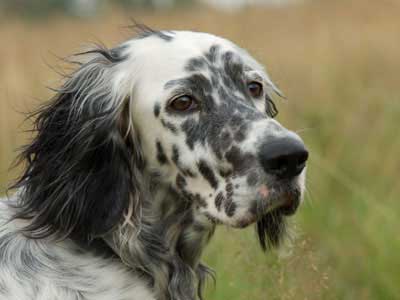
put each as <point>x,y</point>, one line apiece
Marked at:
<point>271,208</point>
<point>270,205</point>
<point>276,203</point>
<point>281,199</point>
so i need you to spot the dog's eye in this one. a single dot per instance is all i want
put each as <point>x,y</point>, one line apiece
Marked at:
<point>255,89</point>
<point>183,103</point>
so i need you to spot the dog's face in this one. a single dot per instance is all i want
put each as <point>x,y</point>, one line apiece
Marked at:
<point>193,108</point>
<point>203,114</point>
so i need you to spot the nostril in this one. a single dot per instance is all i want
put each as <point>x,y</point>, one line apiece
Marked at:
<point>284,157</point>
<point>301,159</point>
<point>277,164</point>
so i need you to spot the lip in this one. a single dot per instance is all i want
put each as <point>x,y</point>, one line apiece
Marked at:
<point>284,202</point>
<point>281,199</point>
<point>291,204</point>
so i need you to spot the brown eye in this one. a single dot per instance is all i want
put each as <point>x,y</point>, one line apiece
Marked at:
<point>183,104</point>
<point>255,89</point>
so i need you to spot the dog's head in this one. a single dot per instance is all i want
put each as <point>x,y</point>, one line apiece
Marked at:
<point>205,117</point>
<point>192,108</point>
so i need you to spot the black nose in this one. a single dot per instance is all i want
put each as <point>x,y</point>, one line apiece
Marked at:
<point>283,157</point>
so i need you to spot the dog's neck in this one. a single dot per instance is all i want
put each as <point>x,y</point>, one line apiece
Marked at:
<point>167,245</point>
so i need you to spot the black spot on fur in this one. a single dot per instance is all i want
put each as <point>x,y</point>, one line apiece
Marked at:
<point>175,155</point>
<point>230,208</point>
<point>161,157</point>
<point>208,174</point>
<point>241,162</point>
<point>157,110</point>
<point>190,128</point>
<point>169,126</point>
<point>212,54</point>
<point>225,172</point>
<point>195,64</point>
<point>229,190</point>
<point>212,218</point>
<point>200,200</point>
<point>180,182</point>
<point>226,140</point>
<point>219,199</point>
<point>188,172</point>
<point>240,135</point>
<point>234,155</point>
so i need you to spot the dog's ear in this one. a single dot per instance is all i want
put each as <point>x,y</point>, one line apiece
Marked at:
<point>81,167</point>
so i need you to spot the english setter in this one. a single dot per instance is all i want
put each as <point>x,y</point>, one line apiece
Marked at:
<point>144,149</point>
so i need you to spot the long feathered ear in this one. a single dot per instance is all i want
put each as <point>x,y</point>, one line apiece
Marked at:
<point>80,169</point>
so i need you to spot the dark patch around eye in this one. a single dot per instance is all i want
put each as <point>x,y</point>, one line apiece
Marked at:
<point>190,128</point>
<point>161,157</point>
<point>197,83</point>
<point>202,82</point>
<point>157,110</point>
<point>208,174</point>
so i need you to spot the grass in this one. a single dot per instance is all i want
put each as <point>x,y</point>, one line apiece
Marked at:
<point>338,63</point>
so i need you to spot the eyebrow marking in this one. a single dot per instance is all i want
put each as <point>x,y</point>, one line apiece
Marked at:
<point>195,82</point>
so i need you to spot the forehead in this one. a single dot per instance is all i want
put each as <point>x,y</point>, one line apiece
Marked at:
<point>165,56</point>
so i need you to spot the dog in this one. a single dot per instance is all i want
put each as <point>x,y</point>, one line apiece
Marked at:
<point>143,150</point>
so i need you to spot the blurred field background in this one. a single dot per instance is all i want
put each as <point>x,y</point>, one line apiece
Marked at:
<point>338,62</point>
